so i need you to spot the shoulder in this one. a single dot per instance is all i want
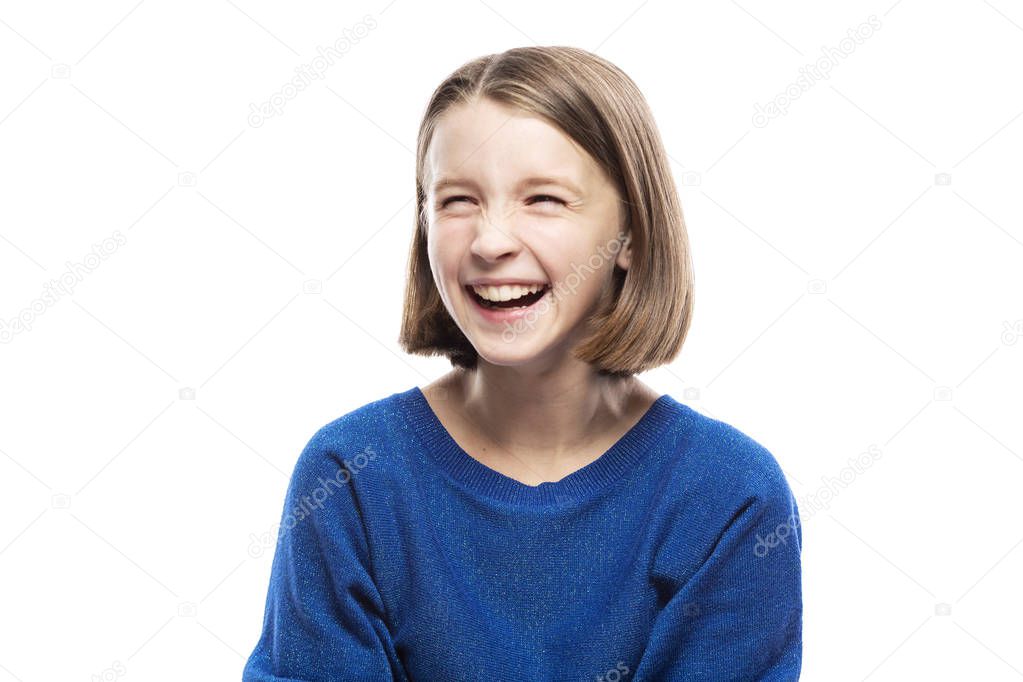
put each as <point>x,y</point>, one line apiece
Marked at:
<point>748,462</point>
<point>720,463</point>
<point>364,421</point>
<point>354,440</point>
<point>723,483</point>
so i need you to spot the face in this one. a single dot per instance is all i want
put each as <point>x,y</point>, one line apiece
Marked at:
<point>510,198</point>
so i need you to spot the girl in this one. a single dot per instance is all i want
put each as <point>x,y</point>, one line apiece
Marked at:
<point>538,513</point>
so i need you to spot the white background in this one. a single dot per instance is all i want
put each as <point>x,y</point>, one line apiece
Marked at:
<point>851,300</point>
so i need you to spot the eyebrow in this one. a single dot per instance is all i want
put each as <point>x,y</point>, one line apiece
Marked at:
<point>534,181</point>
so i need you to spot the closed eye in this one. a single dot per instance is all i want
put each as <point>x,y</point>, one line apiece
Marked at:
<point>547,197</point>
<point>543,198</point>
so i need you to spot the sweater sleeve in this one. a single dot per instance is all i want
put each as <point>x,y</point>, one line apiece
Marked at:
<point>324,617</point>
<point>739,614</point>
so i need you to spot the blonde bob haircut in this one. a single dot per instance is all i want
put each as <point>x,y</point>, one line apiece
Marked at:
<point>642,320</point>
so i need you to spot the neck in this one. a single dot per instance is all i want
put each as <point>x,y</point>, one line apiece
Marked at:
<point>546,414</point>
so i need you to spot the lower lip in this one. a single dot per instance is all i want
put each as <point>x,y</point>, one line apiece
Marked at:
<point>498,315</point>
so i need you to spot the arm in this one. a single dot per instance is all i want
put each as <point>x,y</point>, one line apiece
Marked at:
<point>324,618</point>
<point>739,615</point>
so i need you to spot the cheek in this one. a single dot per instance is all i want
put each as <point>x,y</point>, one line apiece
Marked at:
<point>439,242</point>
<point>438,266</point>
<point>443,251</point>
<point>585,270</point>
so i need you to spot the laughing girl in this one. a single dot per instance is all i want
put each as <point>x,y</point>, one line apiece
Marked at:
<point>538,513</point>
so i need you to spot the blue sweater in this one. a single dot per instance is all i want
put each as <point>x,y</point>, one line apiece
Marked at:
<point>673,556</point>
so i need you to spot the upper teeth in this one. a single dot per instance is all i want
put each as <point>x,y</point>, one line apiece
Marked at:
<point>506,292</point>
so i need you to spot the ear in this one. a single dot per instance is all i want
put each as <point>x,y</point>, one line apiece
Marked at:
<point>624,257</point>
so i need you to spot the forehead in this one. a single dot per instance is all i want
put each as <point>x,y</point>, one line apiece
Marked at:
<point>493,143</point>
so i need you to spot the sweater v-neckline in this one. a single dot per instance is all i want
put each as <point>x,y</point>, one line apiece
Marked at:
<point>610,466</point>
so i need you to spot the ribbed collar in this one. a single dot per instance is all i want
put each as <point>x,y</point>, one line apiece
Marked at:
<point>580,484</point>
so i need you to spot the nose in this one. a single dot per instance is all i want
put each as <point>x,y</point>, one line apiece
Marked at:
<point>494,237</point>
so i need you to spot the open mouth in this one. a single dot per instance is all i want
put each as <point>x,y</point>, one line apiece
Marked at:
<point>520,302</point>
